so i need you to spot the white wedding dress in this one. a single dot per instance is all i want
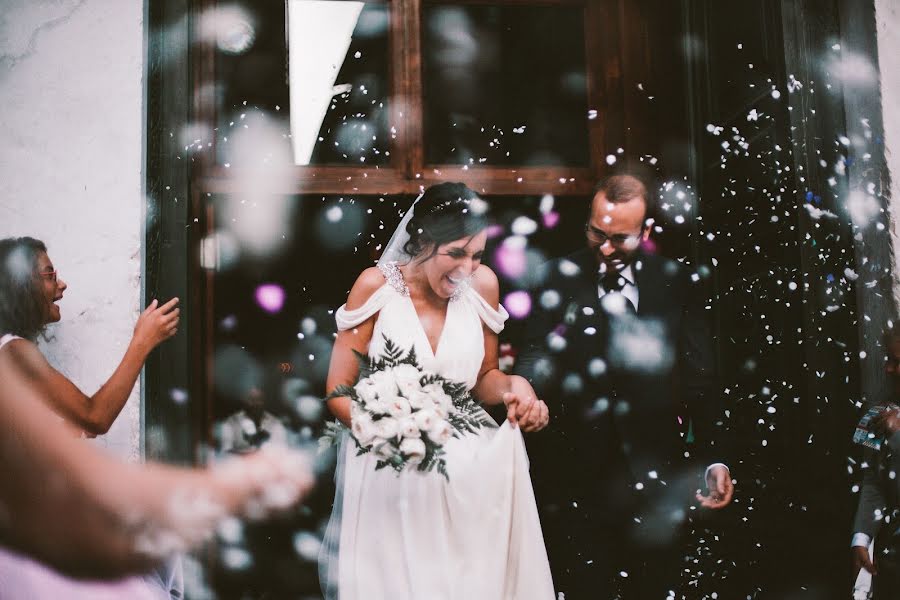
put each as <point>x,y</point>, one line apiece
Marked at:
<point>418,536</point>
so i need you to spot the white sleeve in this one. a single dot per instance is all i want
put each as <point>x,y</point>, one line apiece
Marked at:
<point>709,468</point>
<point>348,319</point>
<point>494,319</point>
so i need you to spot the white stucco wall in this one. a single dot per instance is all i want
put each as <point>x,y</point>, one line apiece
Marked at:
<point>71,139</point>
<point>888,22</point>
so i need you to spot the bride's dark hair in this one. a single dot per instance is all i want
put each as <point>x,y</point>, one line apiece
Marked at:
<point>446,212</point>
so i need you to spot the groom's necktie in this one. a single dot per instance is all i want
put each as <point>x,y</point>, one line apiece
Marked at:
<point>614,283</point>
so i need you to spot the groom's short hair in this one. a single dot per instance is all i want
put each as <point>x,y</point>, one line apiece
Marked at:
<point>622,188</point>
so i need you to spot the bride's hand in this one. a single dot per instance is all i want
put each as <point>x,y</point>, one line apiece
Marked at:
<point>523,408</point>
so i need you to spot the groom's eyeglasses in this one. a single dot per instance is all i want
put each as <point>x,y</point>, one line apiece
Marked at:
<point>617,240</point>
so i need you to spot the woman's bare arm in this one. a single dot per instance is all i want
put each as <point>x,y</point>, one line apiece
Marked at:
<point>344,367</point>
<point>96,414</point>
<point>87,514</point>
<point>494,386</point>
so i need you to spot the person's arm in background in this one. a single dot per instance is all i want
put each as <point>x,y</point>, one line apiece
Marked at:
<point>70,505</point>
<point>703,395</point>
<point>96,414</point>
<point>866,523</point>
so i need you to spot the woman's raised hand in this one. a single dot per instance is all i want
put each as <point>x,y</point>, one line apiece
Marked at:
<point>156,324</point>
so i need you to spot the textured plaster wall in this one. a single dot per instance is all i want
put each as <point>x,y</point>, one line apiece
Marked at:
<point>71,138</point>
<point>888,23</point>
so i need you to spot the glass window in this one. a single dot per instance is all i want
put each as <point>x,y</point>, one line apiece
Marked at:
<point>320,72</point>
<point>504,85</point>
<point>274,300</point>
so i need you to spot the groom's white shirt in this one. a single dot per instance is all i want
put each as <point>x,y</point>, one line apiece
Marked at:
<point>630,291</point>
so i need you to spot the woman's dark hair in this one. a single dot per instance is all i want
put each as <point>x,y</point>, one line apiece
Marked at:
<point>23,306</point>
<point>446,212</point>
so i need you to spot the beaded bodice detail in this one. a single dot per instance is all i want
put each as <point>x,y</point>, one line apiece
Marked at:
<point>394,277</point>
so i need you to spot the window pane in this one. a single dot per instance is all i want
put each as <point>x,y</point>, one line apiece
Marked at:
<point>339,81</point>
<point>285,241</point>
<point>504,85</point>
<point>319,70</point>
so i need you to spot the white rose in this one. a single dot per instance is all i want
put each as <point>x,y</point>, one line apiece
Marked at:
<point>378,407</point>
<point>443,403</point>
<point>384,449</point>
<point>366,390</point>
<point>380,377</point>
<point>432,389</point>
<point>420,399</point>
<point>356,408</point>
<point>384,383</point>
<point>363,429</point>
<point>386,428</point>
<point>398,407</point>
<point>425,419</point>
<point>409,429</point>
<point>440,411</point>
<point>413,449</point>
<point>407,377</point>
<point>441,433</point>
<point>439,396</point>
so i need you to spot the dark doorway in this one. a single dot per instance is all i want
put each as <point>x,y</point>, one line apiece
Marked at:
<point>783,300</point>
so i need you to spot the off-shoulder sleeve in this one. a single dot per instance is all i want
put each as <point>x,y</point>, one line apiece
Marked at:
<point>348,319</point>
<point>491,317</point>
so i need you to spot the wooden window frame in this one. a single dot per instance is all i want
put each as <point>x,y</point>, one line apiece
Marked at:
<point>176,229</point>
<point>407,170</point>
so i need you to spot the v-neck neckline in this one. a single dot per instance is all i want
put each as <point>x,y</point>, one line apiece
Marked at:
<point>434,350</point>
<point>395,278</point>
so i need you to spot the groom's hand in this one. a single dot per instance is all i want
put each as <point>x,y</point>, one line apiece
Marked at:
<point>517,406</point>
<point>536,418</point>
<point>721,488</point>
<point>861,560</point>
<point>523,408</point>
<point>887,422</point>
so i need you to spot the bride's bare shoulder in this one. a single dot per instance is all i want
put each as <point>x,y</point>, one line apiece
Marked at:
<point>485,282</point>
<point>368,282</point>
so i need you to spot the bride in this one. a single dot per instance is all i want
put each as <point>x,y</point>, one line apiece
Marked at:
<point>419,536</point>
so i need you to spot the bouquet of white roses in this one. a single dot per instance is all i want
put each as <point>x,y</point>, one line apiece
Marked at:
<point>405,414</point>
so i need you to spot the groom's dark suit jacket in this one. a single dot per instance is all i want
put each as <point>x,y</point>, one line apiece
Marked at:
<point>621,391</point>
<point>877,515</point>
<point>880,493</point>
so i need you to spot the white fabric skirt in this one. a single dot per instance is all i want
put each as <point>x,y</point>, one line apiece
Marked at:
<point>419,536</point>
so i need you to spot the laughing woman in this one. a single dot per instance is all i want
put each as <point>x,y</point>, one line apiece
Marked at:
<point>30,288</point>
<point>411,536</point>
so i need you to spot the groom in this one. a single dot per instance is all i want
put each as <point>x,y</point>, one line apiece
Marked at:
<point>620,350</point>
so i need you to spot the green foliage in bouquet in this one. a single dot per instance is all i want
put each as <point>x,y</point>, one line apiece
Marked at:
<point>405,414</point>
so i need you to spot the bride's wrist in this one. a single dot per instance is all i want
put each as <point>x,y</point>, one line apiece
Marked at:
<point>516,379</point>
